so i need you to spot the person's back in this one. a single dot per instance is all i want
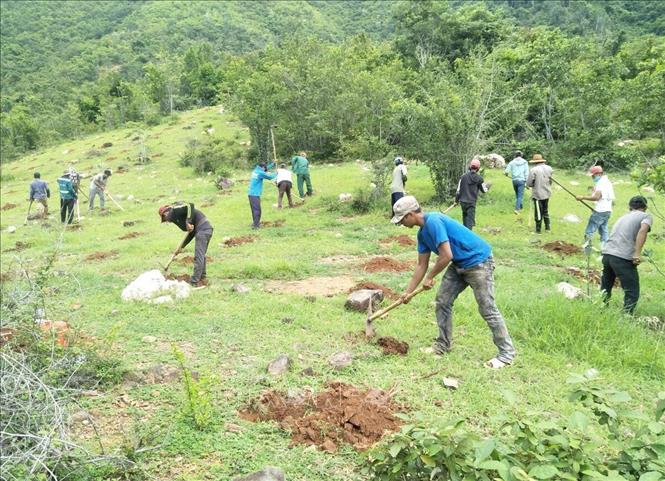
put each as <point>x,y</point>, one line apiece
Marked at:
<point>604,186</point>
<point>66,188</point>
<point>283,174</point>
<point>540,180</point>
<point>518,168</point>
<point>399,176</point>
<point>621,242</point>
<point>470,184</point>
<point>300,165</point>
<point>39,190</point>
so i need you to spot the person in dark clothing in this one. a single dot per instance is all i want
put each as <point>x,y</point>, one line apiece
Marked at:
<point>470,184</point>
<point>68,198</point>
<point>196,224</point>
<point>40,192</point>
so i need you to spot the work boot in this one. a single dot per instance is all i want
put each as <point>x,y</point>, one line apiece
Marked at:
<point>439,349</point>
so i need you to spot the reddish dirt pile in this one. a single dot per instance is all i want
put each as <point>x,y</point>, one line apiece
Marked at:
<point>187,278</point>
<point>390,345</point>
<point>190,260</point>
<point>131,235</point>
<point>8,206</point>
<point>238,241</point>
<point>19,246</point>
<point>276,223</point>
<point>98,256</point>
<point>593,274</point>
<point>403,240</point>
<point>387,291</point>
<point>385,264</point>
<point>561,247</point>
<point>342,414</point>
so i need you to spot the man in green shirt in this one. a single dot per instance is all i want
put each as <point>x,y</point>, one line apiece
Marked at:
<point>300,167</point>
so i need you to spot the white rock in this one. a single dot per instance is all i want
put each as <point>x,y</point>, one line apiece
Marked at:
<point>345,197</point>
<point>568,290</point>
<point>573,182</point>
<point>571,218</point>
<point>149,339</point>
<point>340,360</point>
<point>130,197</point>
<point>648,189</point>
<point>152,286</point>
<point>11,229</point>
<point>450,383</point>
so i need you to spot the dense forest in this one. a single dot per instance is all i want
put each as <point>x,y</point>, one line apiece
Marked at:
<point>580,81</point>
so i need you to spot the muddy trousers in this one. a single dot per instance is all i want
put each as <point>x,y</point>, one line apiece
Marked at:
<point>468,215</point>
<point>481,280</point>
<point>67,210</point>
<point>541,213</point>
<point>201,241</point>
<point>626,271</point>
<point>284,188</point>
<point>44,203</point>
<point>255,206</point>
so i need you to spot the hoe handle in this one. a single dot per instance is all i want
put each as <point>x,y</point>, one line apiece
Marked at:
<point>392,306</point>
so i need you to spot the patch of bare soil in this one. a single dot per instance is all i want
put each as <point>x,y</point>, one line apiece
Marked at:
<point>187,278</point>
<point>190,260</point>
<point>6,276</point>
<point>387,291</point>
<point>275,223</point>
<point>338,259</point>
<point>386,264</point>
<point>19,246</point>
<point>9,205</point>
<point>491,230</point>
<point>98,256</point>
<point>403,240</point>
<point>561,247</point>
<point>592,274</point>
<point>390,345</point>
<point>238,241</point>
<point>343,414</point>
<point>130,235</point>
<point>121,170</point>
<point>313,286</point>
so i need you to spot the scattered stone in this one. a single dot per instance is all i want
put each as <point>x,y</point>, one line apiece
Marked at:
<point>359,300</point>
<point>240,289</point>
<point>310,298</point>
<point>106,145</point>
<point>308,371</point>
<point>287,320</point>
<point>279,365</point>
<point>233,428</point>
<point>345,197</point>
<point>268,473</point>
<point>149,339</point>
<point>79,417</point>
<point>648,189</point>
<point>340,360</point>
<point>11,229</point>
<point>572,218</point>
<point>450,383</point>
<point>568,290</point>
<point>128,223</point>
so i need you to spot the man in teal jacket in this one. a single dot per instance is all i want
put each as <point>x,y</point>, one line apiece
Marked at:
<point>67,198</point>
<point>259,174</point>
<point>300,167</point>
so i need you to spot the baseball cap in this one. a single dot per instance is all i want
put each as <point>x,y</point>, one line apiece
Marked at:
<point>403,206</point>
<point>163,210</point>
<point>595,170</point>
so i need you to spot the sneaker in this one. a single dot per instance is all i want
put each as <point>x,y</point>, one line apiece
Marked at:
<point>439,349</point>
<point>516,212</point>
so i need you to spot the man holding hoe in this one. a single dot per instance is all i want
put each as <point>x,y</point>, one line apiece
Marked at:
<point>468,260</point>
<point>196,224</point>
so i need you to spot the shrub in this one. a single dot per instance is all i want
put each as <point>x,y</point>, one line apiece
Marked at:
<point>216,155</point>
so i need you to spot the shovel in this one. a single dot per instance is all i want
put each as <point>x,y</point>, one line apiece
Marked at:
<point>449,207</point>
<point>118,205</point>
<point>175,253</point>
<point>28,214</point>
<point>369,328</point>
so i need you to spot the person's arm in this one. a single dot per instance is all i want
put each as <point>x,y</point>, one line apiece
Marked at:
<point>48,192</point>
<point>457,192</point>
<point>266,175</point>
<point>508,169</point>
<point>639,242</point>
<point>418,274</point>
<point>595,196</point>
<point>404,172</point>
<point>530,179</point>
<point>32,192</point>
<point>190,216</point>
<point>445,256</point>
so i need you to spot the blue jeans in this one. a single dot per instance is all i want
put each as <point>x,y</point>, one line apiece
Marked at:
<point>481,280</point>
<point>518,186</point>
<point>598,222</point>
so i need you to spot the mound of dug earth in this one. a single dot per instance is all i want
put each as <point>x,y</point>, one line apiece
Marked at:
<point>190,260</point>
<point>387,291</point>
<point>276,223</point>
<point>390,345</point>
<point>561,247</point>
<point>9,206</point>
<point>343,414</point>
<point>386,264</point>
<point>403,240</point>
<point>186,278</point>
<point>130,235</point>
<point>98,256</point>
<point>238,241</point>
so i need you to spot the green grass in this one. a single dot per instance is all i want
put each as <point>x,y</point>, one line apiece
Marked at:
<point>233,337</point>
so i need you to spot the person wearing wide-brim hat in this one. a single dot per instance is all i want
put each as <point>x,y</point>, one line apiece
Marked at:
<point>540,181</point>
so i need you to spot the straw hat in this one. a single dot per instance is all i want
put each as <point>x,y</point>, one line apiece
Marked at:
<point>537,159</point>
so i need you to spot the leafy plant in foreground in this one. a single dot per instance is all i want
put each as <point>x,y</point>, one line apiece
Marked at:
<point>198,397</point>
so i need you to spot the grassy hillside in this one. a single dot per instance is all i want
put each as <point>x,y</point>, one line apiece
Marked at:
<point>231,337</point>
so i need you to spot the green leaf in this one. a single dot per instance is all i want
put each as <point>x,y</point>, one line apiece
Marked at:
<point>651,476</point>
<point>579,421</point>
<point>544,471</point>
<point>660,409</point>
<point>484,450</point>
<point>395,449</point>
<point>491,464</point>
<point>509,396</point>
<point>620,397</point>
<point>428,460</point>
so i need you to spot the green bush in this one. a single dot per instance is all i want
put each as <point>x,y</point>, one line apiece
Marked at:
<point>217,156</point>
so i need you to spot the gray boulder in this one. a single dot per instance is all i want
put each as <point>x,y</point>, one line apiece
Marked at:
<point>359,300</point>
<point>269,473</point>
<point>340,360</point>
<point>279,365</point>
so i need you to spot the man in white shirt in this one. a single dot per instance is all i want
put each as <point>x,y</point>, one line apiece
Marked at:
<point>284,183</point>
<point>603,194</point>
<point>397,190</point>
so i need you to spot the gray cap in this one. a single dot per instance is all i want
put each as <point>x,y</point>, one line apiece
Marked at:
<point>403,206</point>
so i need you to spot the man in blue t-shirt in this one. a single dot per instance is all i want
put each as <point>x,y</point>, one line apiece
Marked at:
<point>259,174</point>
<point>471,264</point>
